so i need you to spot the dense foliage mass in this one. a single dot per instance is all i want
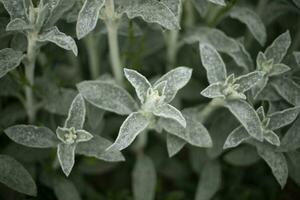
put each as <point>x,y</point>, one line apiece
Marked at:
<point>150,99</point>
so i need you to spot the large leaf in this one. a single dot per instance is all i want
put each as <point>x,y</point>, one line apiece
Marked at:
<point>252,21</point>
<point>15,176</point>
<point>88,17</point>
<point>247,116</point>
<point>249,80</point>
<point>66,157</point>
<point>176,79</point>
<point>60,39</point>
<point>32,136</point>
<point>291,140</point>
<point>76,116</point>
<point>134,124</point>
<point>9,60</point>
<point>144,179</point>
<point>139,82</point>
<point>151,11</point>
<point>288,90</point>
<point>15,8</point>
<point>213,63</point>
<point>107,96</point>
<point>283,118</point>
<point>96,147</point>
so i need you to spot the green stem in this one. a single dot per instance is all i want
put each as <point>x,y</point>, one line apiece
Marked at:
<point>210,108</point>
<point>172,48</point>
<point>29,73</point>
<point>189,19</point>
<point>112,25</point>
<point>92,49</point>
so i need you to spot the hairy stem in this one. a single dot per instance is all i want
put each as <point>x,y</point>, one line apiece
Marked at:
<point>112,25</point>
<point>29,73</point>
<point>91,43</point>
<point>172,48</point>
<point>210,108</point>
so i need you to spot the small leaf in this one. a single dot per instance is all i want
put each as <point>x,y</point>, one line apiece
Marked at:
<point>271,137</point>
<point>276,162</point>
<point>213,63</point>
<point>210,181</point>
<point>278,69</point>
<point>64,189</point>
<point>139,82</point>
<point>66,157</point>
<point>213,91</point>
<point>247,117</point>
<point>88,17</point>
<point>252,21</point>
<point>242,156</point>
<point>60,39</point>
<point>236,137</point>
<point>18,25</point>
<point>9,60</point>
<point>97,148</point>
<point>15,176</point>
<point>32,136</point>
<point>151,11</point>
<point>144,179</point>
<point>174,144</point>
<point>261,113</point>
<point>283,118</point>
<point>176,79</point>
<point>15,8</point>
<point>170,112</point>
<point>291,140</point>
<point>277,50</point>
<point>219,2</point>
<point>76,116</point>
<point>249,80</point>
<point>107,96</point>
<point>134,124</point>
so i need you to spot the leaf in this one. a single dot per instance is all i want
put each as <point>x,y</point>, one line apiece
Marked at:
<point>278,69</point>
<point>297,2</point>
<point>170,112</point>
<point>283,118</point>
<point>219,2</point>
<point>151,11</point>
<point>60,39</point>
<point>32,136</point>
<point>107,96</point>
<point>64,189</point>
<point>174,144</point>
<point>249,80</point>
<point>176,79</point>
<point>88,17</point>
<point>291,140</point>
<point>15,8</point>
<point>9,60</point>
<point>97,148</point>
<point>242,156</point>
<point>15,176</point>
<point>247,117</point>
<point>277,50</point>
<point>144,179</point>
<point>175,6</point>
<point>252,21</point>
<point>76,116</point>
<point>213,63</point>
<point>213,91</point>
<point>194,133</point>
<point>288,90</point>
<point>210,181</point>
<point>236,137</point>
<point>271,137</point>
<point>139,82</point>
<point>18,25</point>
<point>134,124</point>
<point>66,157</point>
<point>276,162</point>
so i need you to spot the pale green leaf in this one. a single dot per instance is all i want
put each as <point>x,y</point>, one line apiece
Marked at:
<point>291,140</point>
<point>134,124</point>
<point>18,25</point>
<point>139,82</point>
<point>15,8</point>
<point>282,118</point>
<point>288,90</point>
<point>213,63</point>
<point>174,144</point>
<point>76,115</point>
<point>64,189</point>
<point>107,96</point>
<point>213,91</point>
<point>32,136</point>
<point>218,2</point>
<point>170,112</point>
<point>88,17</point>
<point>278,69</point>
<point>9,60</point>
<point>60,39</point>
<point>249,80</point>
<point>236,137</point>
<point>144,179</point>
<point>15,176</point>
<point>271,137</point>
<point>242,156</point>
<point>66,157</point>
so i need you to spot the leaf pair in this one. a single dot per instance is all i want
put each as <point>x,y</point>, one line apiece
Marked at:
<point>69,139</point>
<point>154,101</point>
